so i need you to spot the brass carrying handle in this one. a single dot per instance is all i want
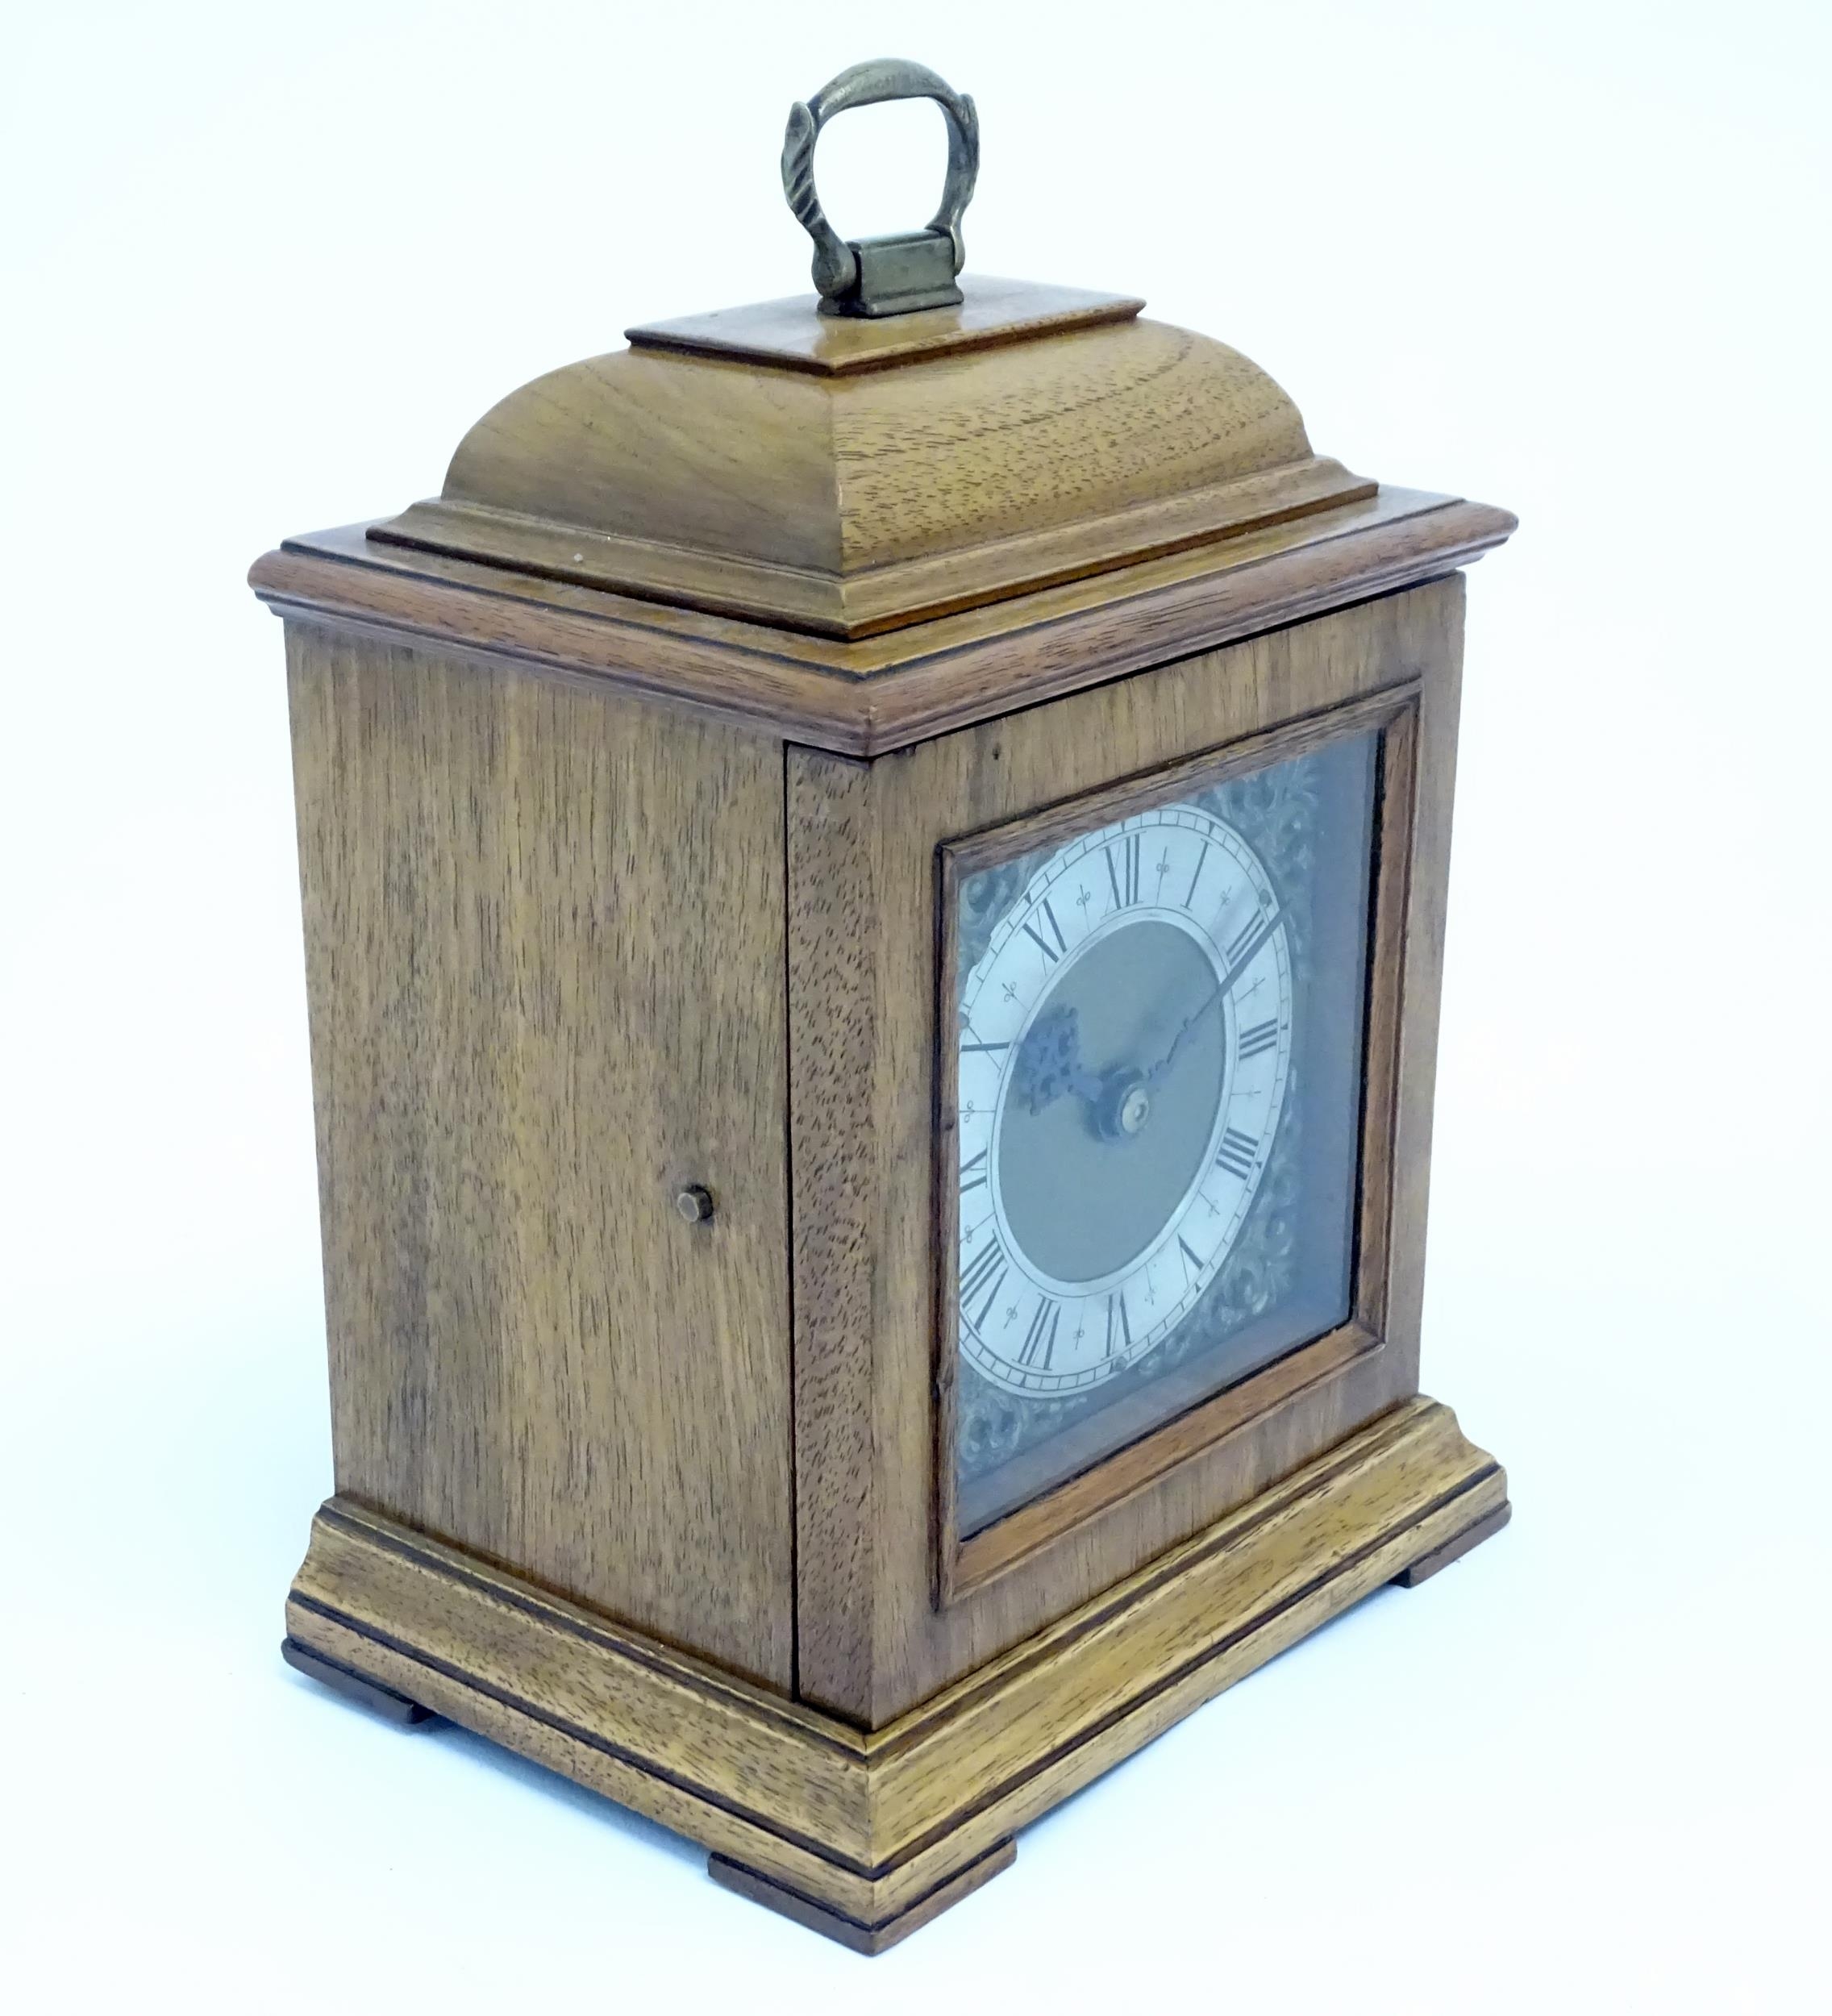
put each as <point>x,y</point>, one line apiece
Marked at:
<point>915,269</point>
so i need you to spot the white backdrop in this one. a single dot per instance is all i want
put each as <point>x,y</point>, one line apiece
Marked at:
<point>266,264</point>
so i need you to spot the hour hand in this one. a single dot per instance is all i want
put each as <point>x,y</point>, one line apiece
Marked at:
<point>1048,1063</point>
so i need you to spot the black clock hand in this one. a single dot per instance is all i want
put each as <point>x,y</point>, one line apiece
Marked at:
<point>1225,986</point>
<point>1189,1022</point>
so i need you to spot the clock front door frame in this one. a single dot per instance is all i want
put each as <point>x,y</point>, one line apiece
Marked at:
<point>891,1606</point>
<point>964,1562</point>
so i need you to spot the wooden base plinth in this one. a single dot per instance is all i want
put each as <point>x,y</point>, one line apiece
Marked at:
<point>1454,1548</point>
<point>863,1938</point>
<point>367,1693</point>
<point>866,1835</point>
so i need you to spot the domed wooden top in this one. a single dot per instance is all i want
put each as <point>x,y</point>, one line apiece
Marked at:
<point>847,477</point>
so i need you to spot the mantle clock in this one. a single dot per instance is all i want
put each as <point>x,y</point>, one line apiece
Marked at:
<point>873,871</point>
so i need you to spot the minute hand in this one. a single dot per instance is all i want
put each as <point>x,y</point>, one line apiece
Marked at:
<point>1223,986</point>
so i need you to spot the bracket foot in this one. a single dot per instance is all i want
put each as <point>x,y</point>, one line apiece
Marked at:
<point>851,1932</point>
<point>353,1686</point>
<point>1454,1549</point>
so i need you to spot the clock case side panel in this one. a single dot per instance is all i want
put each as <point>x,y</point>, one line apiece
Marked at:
<point>885,1618</point>
<point>544,946</point>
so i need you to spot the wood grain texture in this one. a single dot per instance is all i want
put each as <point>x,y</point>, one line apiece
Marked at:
<point>853,503</point>
<point>382,1702</point>
<point>869,1826</point>
<point>792,333</point>
<point>1454,1548</point>
<point>880,695</point>
<point>865,1118</point>
<point>544,944</point>
<point>1419,980</point>
<point>834,994</point>
<point>867,1939</point>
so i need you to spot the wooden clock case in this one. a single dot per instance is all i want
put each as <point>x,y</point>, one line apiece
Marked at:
<point>627,772</point>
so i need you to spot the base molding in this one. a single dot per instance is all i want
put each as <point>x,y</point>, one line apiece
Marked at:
<point>866,1835</point>
<point>849,1932</point>
<point>367,1693</point>
<point>1454,1548</point>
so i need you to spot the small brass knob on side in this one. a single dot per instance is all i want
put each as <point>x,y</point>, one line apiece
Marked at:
<point>694,1202</point>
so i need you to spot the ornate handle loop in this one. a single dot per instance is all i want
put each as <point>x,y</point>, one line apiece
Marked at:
<point>883,275</point>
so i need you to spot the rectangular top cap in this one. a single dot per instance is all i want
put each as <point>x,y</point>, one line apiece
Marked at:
<point>792,335</point>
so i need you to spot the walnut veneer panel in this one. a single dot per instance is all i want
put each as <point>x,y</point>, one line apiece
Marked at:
<point>544,936</point>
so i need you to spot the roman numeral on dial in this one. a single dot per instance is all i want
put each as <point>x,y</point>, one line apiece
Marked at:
<point>1236,1153</point>
<point>980,1280</point>
<point>1244,945</point>
<point>1040,1338</point>
<point>1016,1324</point>
<point>1123,874</point>
<point>1052,953</point>
<point>1262,1035</point>
<point>1194,879</point>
